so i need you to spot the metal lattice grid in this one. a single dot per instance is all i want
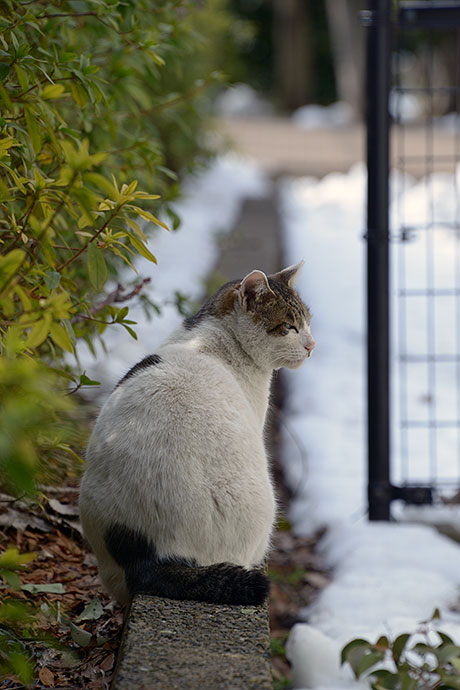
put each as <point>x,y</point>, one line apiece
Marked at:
<point>426,252</point>
<point>421,244</point>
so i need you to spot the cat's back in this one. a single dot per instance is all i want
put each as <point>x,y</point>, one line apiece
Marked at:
<point>176,398</point>
<point>180,419</point>
<point>181,378</point>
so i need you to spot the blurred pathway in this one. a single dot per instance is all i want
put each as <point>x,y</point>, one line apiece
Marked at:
<point>255,241</point>
<point>282,148</point>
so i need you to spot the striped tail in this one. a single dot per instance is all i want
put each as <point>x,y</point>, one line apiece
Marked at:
<point>176,578</point>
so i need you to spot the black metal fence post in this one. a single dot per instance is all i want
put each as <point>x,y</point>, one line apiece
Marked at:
<point>378,21</point>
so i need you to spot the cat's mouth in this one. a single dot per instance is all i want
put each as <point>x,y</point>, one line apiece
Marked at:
<point>296,363</point>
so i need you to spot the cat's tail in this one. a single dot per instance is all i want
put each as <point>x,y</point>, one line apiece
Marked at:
<point>176,578</point>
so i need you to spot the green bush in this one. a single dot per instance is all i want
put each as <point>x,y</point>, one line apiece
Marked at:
<point>98,98</point>
<point>427,659</point>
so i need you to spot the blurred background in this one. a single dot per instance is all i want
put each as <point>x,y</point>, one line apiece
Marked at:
<point>152,150</point>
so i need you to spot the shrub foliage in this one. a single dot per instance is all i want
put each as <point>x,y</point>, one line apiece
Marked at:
<point>98,100</point>
<point>426,659</point>
<point>100,114</point>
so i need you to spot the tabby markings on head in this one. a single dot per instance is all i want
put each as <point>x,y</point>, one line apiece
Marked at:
<point>279,305</point>
<point>273,306</point>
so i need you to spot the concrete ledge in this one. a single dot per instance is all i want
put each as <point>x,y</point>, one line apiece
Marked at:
<point>171,644</point>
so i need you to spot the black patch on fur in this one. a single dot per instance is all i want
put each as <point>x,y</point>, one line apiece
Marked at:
<point>177,578</point>
<point>149,361</point>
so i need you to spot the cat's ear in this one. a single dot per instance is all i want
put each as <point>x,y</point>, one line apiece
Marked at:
<point>251,286</point>
<point>289,275</point>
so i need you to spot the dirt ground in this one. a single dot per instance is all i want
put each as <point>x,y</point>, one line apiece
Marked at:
<point>74,637</point>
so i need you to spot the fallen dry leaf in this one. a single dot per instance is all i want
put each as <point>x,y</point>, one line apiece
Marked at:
<point>62,558</point>
<point>46,677</point>
<point>108,663</point>
<point>63,508</point>
<point>11,517</point>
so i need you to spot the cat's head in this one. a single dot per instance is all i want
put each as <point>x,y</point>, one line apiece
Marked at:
<point>274,323</point>
<point>267,316</point>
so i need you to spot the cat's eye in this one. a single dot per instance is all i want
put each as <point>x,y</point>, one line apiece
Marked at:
<point>290,327</point>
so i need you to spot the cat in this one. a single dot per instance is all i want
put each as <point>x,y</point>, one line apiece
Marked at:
<point>176,499</point>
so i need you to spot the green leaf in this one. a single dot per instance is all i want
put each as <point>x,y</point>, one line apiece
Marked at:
<point>101,182</point>
<point>142,249</point>
<point>146,215</point>
<point>355,652</point>
<point>81,637</point>
<point>4,70</point>
<point>33,129</point>
<point>23,77</point>
<point>445,638</point>
<point>97,269</point>
<point>445,653</point>
<point>52,279</point>
<point>435,616</point>
<point>384,680</point>
<point>52,91</point>
<point>399,645</point>
<point>408,682</point>
<point>39,332</point>
<point>79,94</point>
<point>48,587</point>
<point>359,642</point>
<point>368,661</point>
<point>5,98</point>
<point>422,648</point>
<point>121,314</point>
<point>11,558</point>
<point>136,228</point>
<point>382,643</point>
<point>175,218</point>
<point>22,666</point>
<point>87,202</point>
<point>449,684</point>
<point>132,333</point>
<point>156,58</point>
<point>60,337</point>
<point>92,612</point>
<point>9,264</point>
<point>70,332</point>
<point>12,579</point>
<point>85,381</point>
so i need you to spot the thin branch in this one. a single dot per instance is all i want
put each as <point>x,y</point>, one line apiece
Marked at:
<point>39,83</point>
<point>66,14</point>
<point>183,98</point>
<point>117,296</point>
<point>88,14</point>
<point>90,318</point>
<point>57,210</point>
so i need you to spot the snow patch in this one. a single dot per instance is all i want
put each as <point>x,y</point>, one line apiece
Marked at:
<point>387,577</point>
<point>208,208</point>
<point>314,116</point>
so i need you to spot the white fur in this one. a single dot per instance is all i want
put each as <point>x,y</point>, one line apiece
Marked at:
<point>177,451</point>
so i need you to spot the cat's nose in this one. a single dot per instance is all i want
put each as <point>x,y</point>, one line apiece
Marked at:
<point>309,346</point>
